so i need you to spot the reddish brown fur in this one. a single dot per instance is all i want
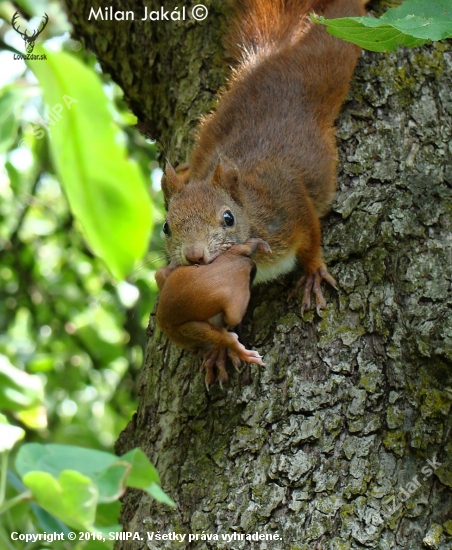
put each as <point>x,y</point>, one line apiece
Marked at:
<point>273,126</point>
<point>191,296</point>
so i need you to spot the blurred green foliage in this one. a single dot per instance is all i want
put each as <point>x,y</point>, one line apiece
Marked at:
<point>106,190</point>
<point>63,318</point>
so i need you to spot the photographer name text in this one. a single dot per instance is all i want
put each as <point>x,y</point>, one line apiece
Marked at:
<point>198,12</point>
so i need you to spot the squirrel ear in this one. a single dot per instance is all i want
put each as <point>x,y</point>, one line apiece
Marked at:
<point>170,183</point>
<point>226,175</point>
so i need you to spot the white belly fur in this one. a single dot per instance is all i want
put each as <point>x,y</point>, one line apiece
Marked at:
<point>274,271</point>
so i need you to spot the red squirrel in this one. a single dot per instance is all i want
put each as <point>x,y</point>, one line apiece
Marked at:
<point>264,163</point>
<point>197,301</point>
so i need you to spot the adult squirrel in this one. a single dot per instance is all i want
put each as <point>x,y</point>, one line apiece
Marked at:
<point>264,164</point>
<point>197,302</point>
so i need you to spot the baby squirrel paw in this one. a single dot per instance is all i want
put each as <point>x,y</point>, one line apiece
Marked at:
<point>217,355</point>
<point>247,355</point>
<point>312,284</point>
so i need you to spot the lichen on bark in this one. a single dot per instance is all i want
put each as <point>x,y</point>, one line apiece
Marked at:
<point>342,440</point>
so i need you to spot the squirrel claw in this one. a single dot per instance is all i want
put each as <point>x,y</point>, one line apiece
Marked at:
<point>313,284</point>
<point>215,357</point>
<point>294,292</point>
<point>209,378</point>
<point>221,366</point>
<point>323,274</point>
<point>235,360</point>
<point>210,359</point>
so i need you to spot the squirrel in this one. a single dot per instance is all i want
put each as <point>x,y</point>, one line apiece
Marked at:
<point>264,162</point>
<point>196,302</point>
<point>263,166</point>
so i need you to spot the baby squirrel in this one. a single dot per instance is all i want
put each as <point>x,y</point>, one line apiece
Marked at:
<point>197,301</point>
<point>264,164</point>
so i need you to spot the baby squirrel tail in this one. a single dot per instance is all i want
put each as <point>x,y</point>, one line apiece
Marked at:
<point>261,27</point>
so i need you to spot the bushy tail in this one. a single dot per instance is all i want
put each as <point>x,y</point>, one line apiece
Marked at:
<point>262,26</point>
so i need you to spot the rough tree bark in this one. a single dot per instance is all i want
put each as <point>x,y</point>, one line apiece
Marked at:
<point>343,440</point>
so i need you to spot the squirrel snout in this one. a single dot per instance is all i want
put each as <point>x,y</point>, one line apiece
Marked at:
<point>195,255</point>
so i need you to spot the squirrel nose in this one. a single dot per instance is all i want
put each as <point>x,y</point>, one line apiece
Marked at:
<point>195,255</point>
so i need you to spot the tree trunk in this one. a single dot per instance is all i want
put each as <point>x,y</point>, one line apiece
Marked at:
<point>343,439</point>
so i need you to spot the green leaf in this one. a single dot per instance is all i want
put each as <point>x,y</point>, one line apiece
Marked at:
<point>159,494</point>
<point>47,522</point>
<point>72,498</point>
<point>114,528</point>
<point>41,363</point>
<point>379,39</point>
<point>422,19</point>
<point>100,544</point>
<point>9,435</point>
<point>53,459</point>
<point>105,190</point>
<point>411,24</point>
<point>9,123</point>
<point>35,418</point>
<point>110,474</point>
<point>18,390</point>
<point>144,476</point>
<point>107,515</point>
<point>14,176</point>
<point>143,472</point>
<point>111,482</point>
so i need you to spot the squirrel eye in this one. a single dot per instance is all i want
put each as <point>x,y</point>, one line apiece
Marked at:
<point>228,218</point>
<point>166,229</point>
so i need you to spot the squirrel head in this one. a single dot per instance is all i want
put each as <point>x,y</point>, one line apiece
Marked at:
<point>205,218</point>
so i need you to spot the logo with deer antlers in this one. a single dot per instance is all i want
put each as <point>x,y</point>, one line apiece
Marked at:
<point>29,40</point>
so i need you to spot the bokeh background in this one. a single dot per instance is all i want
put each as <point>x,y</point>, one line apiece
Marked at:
<point>63,317</point>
